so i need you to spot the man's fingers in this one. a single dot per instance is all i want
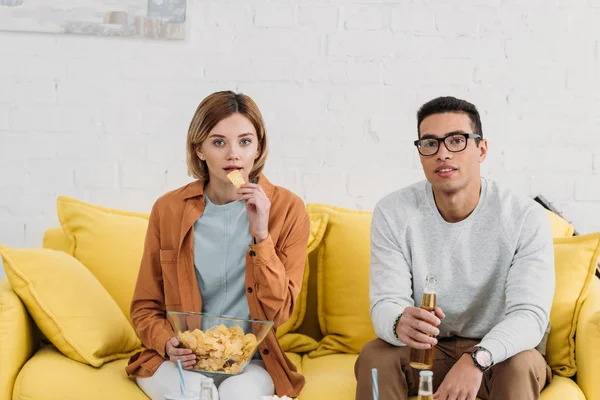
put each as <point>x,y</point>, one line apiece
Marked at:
<point>413,343</point>
<point>407,335</point>
<point>426,316</point>
<point>427,329</point>
<point>420,337</point>
<point>423,315</point>
<point>418,345</point>
<point>439,313</point>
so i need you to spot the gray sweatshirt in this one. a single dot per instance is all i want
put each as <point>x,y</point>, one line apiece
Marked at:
<point>495,269</point>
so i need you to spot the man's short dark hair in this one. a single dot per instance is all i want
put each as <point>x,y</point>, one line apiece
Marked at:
<point>450,104</point>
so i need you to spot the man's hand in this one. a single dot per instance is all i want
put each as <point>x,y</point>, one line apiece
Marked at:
<point>415,326</point>
<point>462,382</point>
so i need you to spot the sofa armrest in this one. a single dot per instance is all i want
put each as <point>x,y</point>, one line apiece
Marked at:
<point>587,343</point>
<point>19,338</point>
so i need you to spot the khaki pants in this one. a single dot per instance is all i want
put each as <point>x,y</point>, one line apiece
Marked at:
<point>521,377</point>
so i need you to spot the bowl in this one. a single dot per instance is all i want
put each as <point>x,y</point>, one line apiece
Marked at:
<point>223,345</point>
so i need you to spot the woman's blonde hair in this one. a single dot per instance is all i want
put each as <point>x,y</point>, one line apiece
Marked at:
<point>209,113</point>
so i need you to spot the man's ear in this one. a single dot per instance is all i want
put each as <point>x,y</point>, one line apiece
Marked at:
<point>483,150</point>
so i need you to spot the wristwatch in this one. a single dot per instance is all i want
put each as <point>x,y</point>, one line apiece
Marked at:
<point>481,357</point>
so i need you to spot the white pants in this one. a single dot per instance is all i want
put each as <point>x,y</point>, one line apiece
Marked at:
<point>252,384</point>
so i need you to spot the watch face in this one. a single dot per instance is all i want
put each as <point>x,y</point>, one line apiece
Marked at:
<point>483,358</point>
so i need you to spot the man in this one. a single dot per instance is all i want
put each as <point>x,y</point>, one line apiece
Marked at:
<point>491,251</point>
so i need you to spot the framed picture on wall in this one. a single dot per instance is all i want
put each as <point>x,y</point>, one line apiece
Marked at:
<point>151,19</point>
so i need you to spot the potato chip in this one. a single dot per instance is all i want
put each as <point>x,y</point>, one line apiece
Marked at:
<point>188,340</point>
<point>220,349</point>
<point>236,178</point>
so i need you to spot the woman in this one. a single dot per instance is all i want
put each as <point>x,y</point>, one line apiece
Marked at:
<point>214,248</point>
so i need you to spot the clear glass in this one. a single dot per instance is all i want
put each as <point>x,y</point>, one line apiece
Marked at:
<point>430,283</point>
<point>223,346</point>
<point>180,396</point>
<point>206,389</point>
<point>423,359</point>
<point>426,385</point>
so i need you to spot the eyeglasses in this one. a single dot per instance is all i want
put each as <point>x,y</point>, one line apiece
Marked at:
<point>454,142</point>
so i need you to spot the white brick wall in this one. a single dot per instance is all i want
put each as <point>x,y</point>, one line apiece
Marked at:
<point>339,82</point>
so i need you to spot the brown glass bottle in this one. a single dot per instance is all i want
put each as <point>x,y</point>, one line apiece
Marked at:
<point>423,359</point>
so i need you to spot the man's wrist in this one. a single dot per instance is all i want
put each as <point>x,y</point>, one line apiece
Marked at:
<point>481,357</point>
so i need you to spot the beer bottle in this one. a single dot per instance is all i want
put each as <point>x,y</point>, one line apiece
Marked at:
<point>423,359</point>
<point>426,385</point>
<point>206,389</point>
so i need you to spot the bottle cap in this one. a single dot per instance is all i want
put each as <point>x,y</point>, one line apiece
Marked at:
<point>426,373</point>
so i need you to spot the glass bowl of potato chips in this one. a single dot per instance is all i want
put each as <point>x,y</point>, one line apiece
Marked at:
<point>223,345</point>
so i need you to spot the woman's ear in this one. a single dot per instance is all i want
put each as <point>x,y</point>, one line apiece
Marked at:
<point>199,152</point>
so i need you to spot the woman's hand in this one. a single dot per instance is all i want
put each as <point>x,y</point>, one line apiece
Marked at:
<point>257,206</point>
<point>187,357</point>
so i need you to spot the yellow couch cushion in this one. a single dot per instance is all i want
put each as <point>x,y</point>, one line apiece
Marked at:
<point>48,375</point>
<point>318,223</point>
<point>297,343</point>
<point>560,227</point>
<point>343,281</point>
<point>296,359</point>
<point>559,389</point>
<point>575,261</point>
<point>19,338</point>
<point>108,242</point>
<point>329,377</point>
<point>332,377</point>
<point>57,239</point>
<point>69,306</point>
<point>587,342</point>
<point>562,389</point>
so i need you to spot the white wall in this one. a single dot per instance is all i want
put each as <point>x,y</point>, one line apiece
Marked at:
<point>339,82</point>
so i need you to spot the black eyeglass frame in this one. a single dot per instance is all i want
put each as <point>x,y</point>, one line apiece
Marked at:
<point>443,140</point>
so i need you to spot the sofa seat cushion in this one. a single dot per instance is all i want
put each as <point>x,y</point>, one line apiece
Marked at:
<point>562,388</point>
<point>329,377</point>
<point>48,370</point>
<point>332,377</point>
<point>296,359</point>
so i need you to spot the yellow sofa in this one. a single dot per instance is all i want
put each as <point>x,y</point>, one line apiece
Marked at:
<point>334,301</point>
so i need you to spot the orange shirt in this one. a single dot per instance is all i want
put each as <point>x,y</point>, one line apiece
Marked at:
<point>167,280</point>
